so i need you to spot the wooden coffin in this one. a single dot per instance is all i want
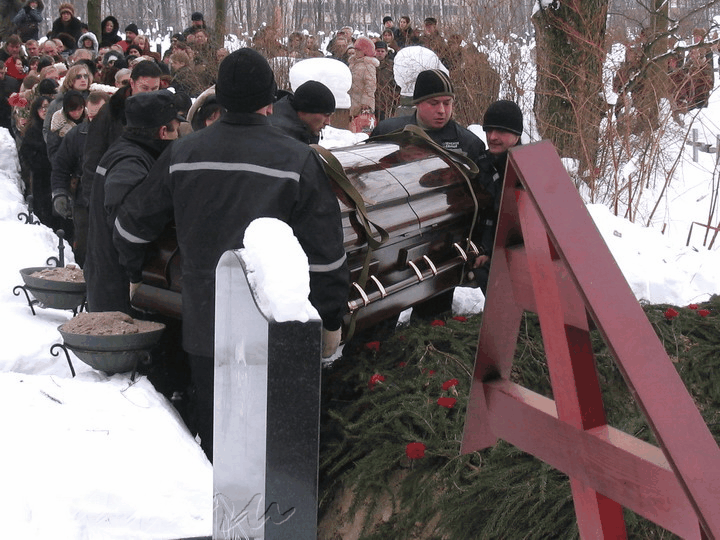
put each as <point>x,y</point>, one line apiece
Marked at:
<point>412,191</point>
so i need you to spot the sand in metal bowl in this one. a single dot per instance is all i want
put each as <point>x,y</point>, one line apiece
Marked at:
<point>110,341</point>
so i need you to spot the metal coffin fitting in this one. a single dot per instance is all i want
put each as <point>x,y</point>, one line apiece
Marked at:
<point>418,197</point>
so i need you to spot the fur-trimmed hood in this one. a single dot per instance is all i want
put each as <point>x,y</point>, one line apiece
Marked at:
<point>92,37</point>
<point>106,40</point>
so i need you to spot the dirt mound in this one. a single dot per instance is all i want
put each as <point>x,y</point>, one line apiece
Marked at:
<point>108,323</point>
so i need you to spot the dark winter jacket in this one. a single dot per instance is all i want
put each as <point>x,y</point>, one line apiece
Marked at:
<point>215,182</point>
<point>107,126</point>
<point>33,153</point>
<point>452,136</point>
<point>121,169</point>
<point>286,119</point>
<point>106,40</point>
<point>67,164</point>
<point>27,21</point>
<point>73,27</point>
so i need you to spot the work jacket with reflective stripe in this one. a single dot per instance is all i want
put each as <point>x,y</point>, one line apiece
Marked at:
<point>214,183</point>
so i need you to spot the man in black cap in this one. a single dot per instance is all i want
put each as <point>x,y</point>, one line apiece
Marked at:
<point>152,122</point>
<point>304,114</point>
<point>131,32</point>
<point>197,22</point>
<point>387,24</point>
<point>503,127</point>
<point>433,98</point>
<point>214,183</point>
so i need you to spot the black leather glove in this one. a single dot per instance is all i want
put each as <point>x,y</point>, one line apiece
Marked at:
<point>61,206</point>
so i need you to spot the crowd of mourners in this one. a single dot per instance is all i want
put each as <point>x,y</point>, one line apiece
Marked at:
<point>97,131</point>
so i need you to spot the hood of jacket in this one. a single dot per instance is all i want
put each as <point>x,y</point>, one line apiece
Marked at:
<point>92,37</point>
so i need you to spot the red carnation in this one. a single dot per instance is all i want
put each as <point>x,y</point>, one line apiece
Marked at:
<point>415,450</point>
<point>402,364</point>
<point>460,318</point>
<point>693,306</point>
<point>437,322</point>
<point>373,346</point>
<point>447,385</point>
<point>447,402</point>
<point>671,314</point>
<point>377,378</point>
<point>703,312</point>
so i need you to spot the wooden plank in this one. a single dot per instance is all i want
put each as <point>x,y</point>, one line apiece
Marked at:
<point>679,428</point>
<point>615,464</point>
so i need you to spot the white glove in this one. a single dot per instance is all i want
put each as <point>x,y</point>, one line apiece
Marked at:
<point>330,341</point>
<point>133,288</point>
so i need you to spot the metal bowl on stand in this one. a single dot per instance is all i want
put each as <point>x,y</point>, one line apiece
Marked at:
<point>117,353</point>
<point>51,293</point>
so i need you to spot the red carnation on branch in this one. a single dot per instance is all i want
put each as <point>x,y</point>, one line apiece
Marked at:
<point>437,322</point>
<point>460,318</point>
<point>447,385</point>
<point>447,402</point>
<point>671,314</point>
<point>693,306</point>
<point>704,312</point>
<point>415,450</point>
<point>377,378</point>
<point>373,346</point>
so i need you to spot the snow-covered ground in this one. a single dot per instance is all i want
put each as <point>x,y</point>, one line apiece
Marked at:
<point>98,457</point>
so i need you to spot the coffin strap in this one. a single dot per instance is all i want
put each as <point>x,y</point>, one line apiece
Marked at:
<point>335,170</point>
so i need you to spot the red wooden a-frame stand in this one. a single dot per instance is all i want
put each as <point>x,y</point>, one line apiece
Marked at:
<point>550,259</point>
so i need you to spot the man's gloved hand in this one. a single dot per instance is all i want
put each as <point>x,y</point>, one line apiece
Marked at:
<point>330,341</point>
<point>61,206</point>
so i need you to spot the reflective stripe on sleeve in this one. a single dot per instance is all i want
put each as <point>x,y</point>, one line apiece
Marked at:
<point>127,236</point>
<point>328,267</point>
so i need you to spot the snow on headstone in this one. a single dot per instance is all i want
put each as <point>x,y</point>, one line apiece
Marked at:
<point>278,271</point>
<point>409,62</point>
<point>332,73</point>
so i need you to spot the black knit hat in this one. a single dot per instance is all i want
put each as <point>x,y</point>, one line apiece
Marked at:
<point>245,82</point>
<point>380,44</point>
<point>151,109</point>
<point>197,16</point>
<point>387,18</point>
<point>505,115</point>
<point>432,83</point>
<point>132,27</point>
<point>313,97</point>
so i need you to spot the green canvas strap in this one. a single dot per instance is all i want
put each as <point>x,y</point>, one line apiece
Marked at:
<point>334,169</point>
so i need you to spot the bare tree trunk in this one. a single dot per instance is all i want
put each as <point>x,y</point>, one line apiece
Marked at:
<point>568,94</point>
<point>8,10</point>
<point>219,21</point>
<point>94,7</point>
